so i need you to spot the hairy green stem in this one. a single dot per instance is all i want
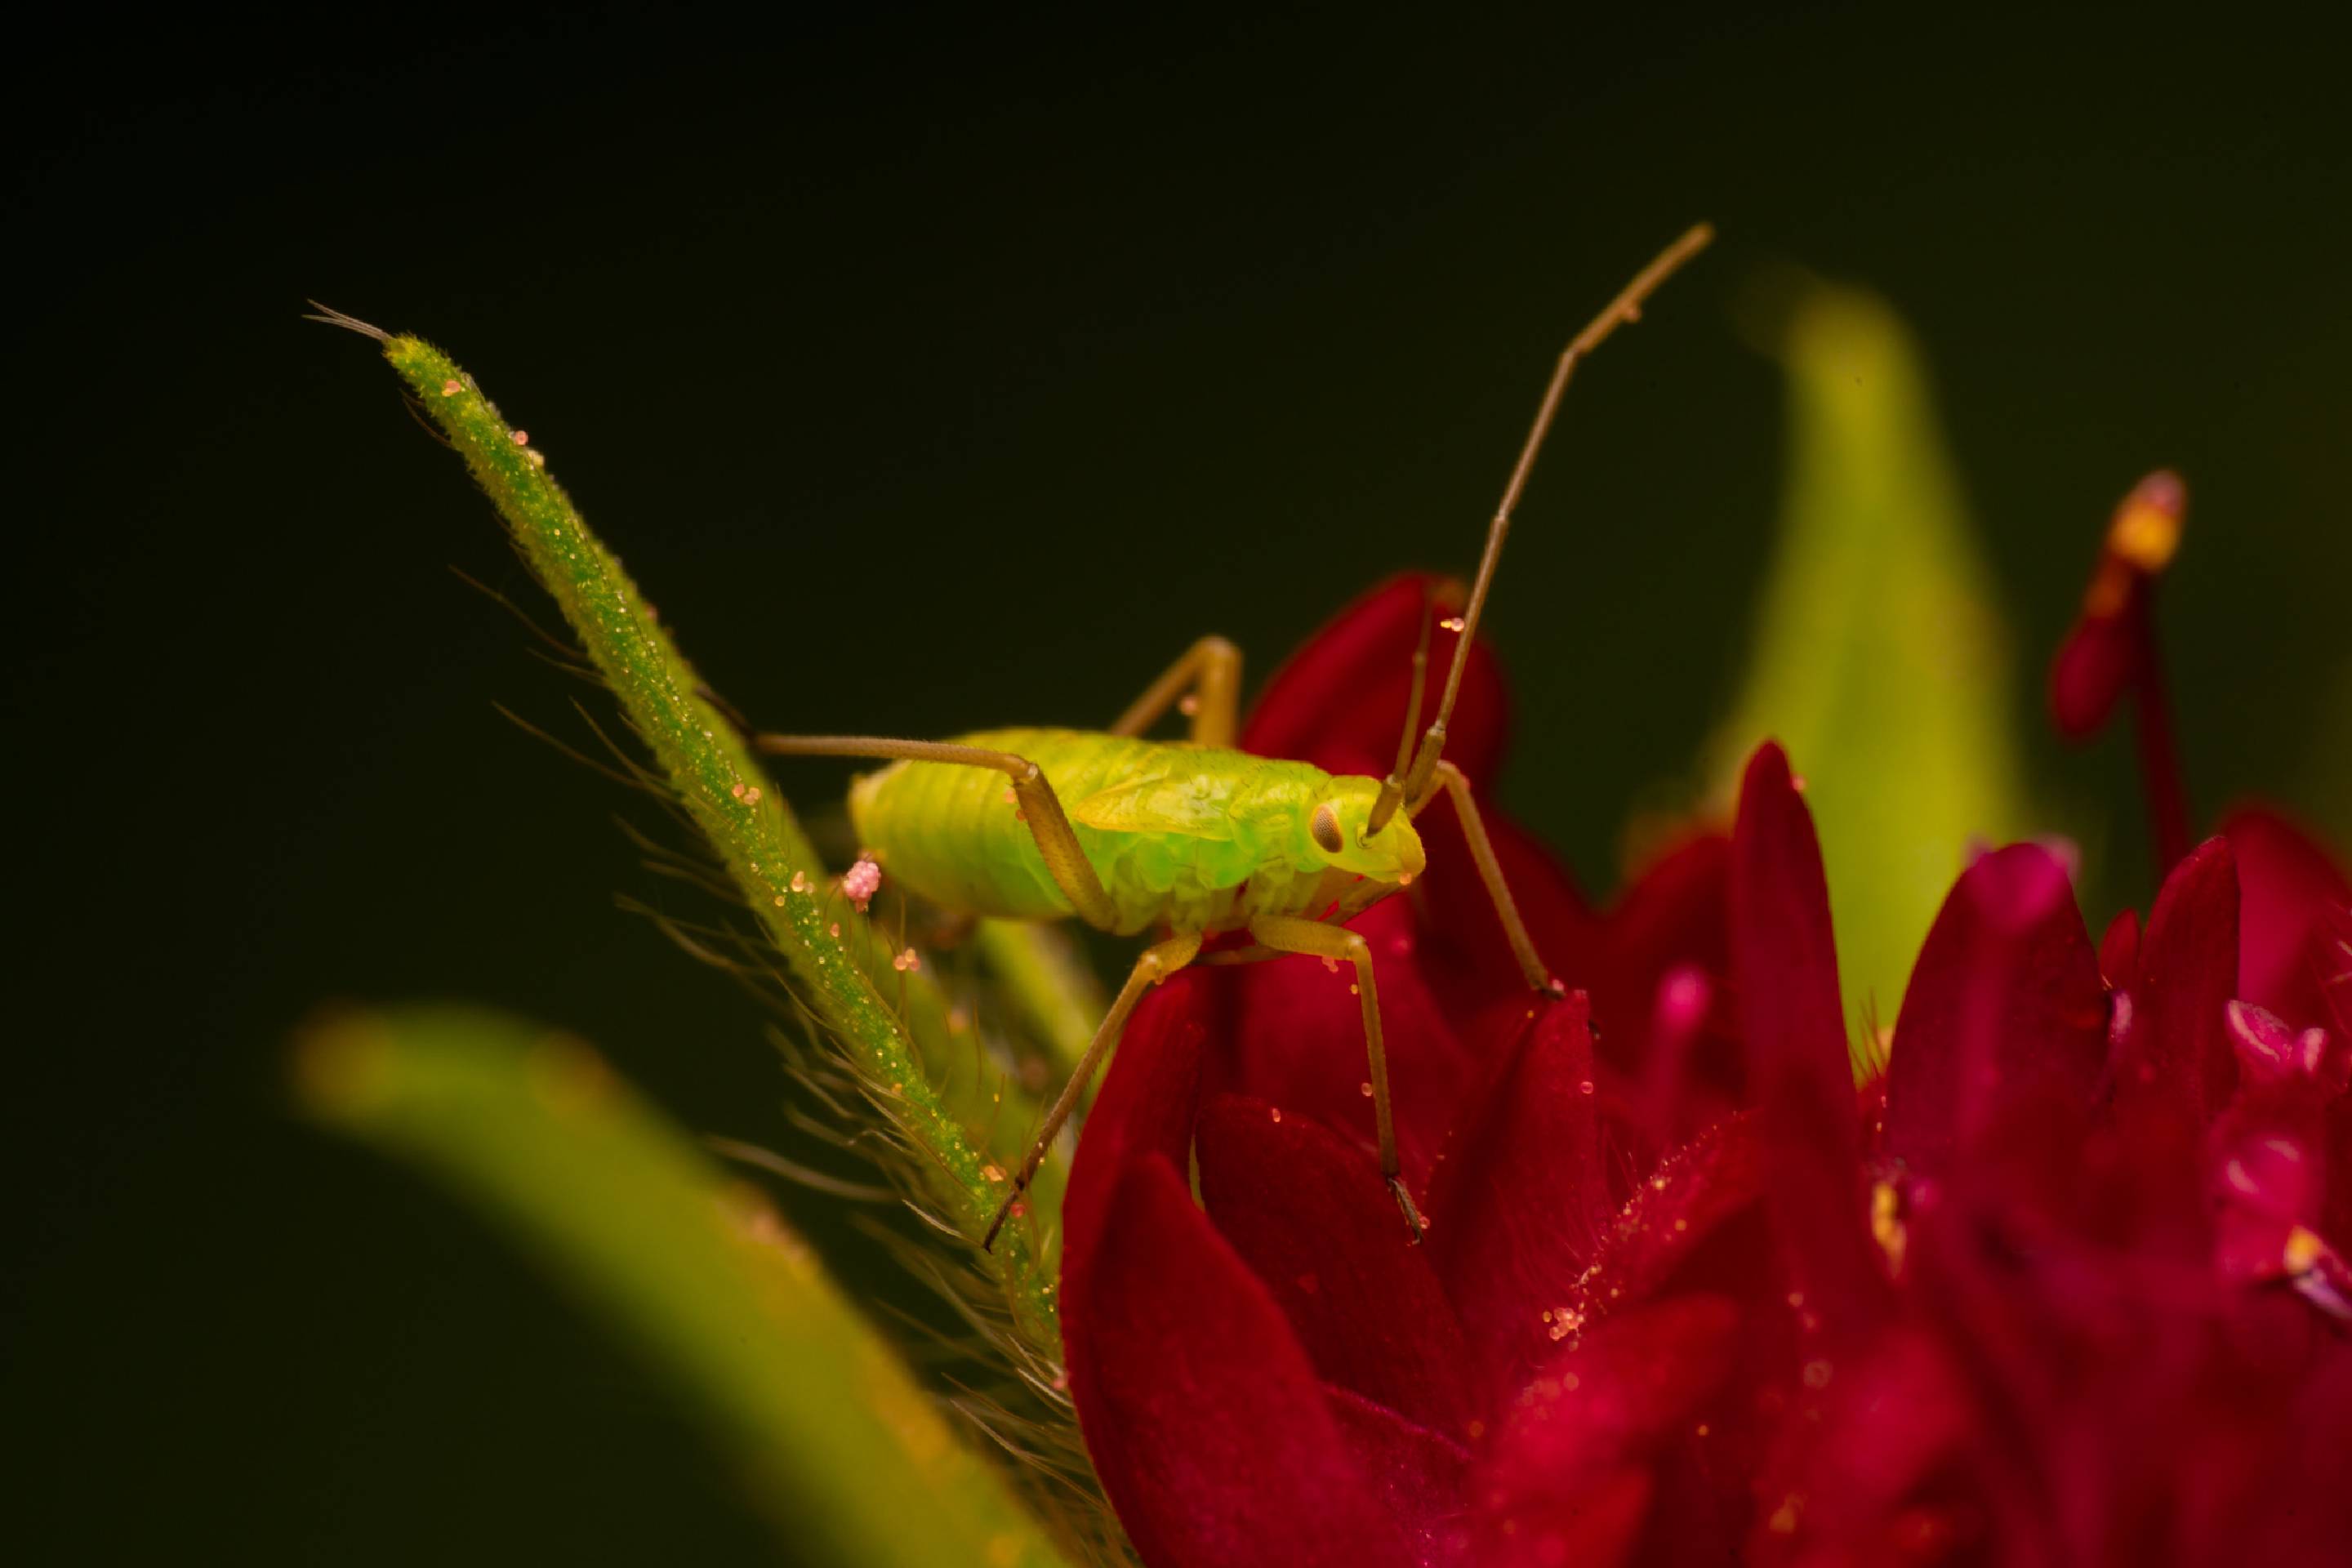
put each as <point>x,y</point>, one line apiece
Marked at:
<point>832,952</point>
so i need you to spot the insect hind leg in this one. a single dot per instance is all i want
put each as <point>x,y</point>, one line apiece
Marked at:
<point>1040,809</point>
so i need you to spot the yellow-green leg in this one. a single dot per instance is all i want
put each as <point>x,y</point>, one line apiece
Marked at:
<point>1450,779</point>
<point>1288,934</point>
<point>1158,963</point>
<point>1209,673</point>
<point>1040,809</point>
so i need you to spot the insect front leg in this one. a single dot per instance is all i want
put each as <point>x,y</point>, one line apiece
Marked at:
<point>1210,672</point>
<point>1158,963</point>
<point>1287,933</point>
<point>1450,780</point>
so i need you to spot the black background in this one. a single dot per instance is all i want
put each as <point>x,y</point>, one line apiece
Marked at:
<point>932,372</point>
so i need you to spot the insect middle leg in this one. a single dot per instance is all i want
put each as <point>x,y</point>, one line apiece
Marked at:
<point>1158,963</point>
<point>1288,934</point>
<point>1211,672</point>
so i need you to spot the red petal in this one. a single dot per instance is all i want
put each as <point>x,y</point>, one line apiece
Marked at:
<point>1651,1246</point>
<point>1629,1395</point>
<point>2179,1047</point>
<point>1313,1220</point>
<point>2290,888</point>
<point>1592,1524</point>
<point>2119,950</point>
<point>1339,702</point>
<point>1514,1204</point>
<point>1613,1393</point>
<point>1784,963</point>
<point>2005,1002</point>
<point>1698,1226</point>
<point>1299,1042</point>
<point>1674,917</point>
<point>1145,1106</point>
<point>1469,958</point>
<point>1848,1484</point>
<point>1418,1473</point>
<point>1206,1424</point>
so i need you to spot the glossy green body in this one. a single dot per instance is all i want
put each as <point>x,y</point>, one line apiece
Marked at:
<point>1191,838</point>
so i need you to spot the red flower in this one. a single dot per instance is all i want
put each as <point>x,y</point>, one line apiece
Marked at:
<point>1278,1376</point>
<point>2061,1289</point>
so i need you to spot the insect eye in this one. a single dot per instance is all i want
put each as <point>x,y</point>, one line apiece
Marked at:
<point>1324,828</point>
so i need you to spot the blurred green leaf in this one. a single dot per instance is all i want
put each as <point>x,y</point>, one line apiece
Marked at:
<point>852,1461</point>
<point>1879,659</point>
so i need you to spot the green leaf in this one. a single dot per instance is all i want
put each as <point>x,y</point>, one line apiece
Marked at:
<point>930,1086</point>
<point>851,1460</point>
<point>1879,660</point>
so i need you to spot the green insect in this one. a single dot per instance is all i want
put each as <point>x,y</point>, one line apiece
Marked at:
<point>1193,836</point>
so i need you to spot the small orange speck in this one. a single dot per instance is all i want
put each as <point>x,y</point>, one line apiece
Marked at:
<point>1367,1088</point>
<point>993,1172</point>
<point>520,437</point>
<point>799,883</point>
<point>736,791</point>
<point>1453,623</point>
<point>1187,705</point>
<point>1278,1114</point>
<point>780,900</point>
<point>836,931</point>
<point>451,389</point>
<point>751,795</point>
<point>1355,990</point>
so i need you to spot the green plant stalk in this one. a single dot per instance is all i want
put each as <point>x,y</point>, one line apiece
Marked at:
<point>826,944</point>
<point>1057,997</point>
<point>845,1456</point>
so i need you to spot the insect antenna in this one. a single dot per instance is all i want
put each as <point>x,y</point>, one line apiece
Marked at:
<point>1419,687</point>
<point>1412,786</point>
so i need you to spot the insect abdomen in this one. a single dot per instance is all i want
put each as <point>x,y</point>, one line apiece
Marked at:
<point>952,836</point>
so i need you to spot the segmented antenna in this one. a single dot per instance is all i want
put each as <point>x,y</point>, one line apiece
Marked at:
<point>1411,786</point>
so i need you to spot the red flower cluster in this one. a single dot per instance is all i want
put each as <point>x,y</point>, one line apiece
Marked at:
<point>2060,1289</point>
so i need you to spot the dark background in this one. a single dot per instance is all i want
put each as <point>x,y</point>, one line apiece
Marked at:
<point>935,373</point>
